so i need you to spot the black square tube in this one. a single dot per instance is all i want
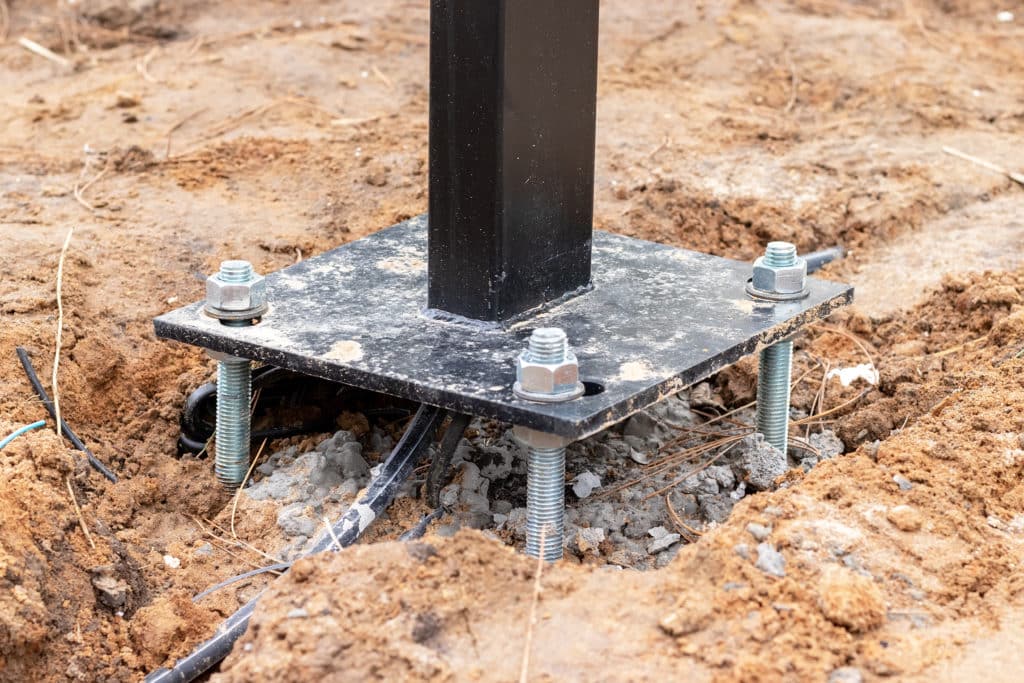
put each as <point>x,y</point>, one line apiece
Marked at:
<point>513,95</point>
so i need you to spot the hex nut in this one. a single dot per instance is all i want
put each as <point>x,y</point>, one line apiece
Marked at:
<point>531,438</point>
<point>544,381</point>
<point>236,297</point>
<point>780,280</point>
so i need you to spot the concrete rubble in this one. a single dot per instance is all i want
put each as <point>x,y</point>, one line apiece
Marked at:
<point>624,526</point>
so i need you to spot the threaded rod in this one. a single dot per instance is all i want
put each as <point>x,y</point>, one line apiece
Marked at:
<point>548,345</point>
<point>545,503</point>
<point>773,394</point>
<point>234,394</point>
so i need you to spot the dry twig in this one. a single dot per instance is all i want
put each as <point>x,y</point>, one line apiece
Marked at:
<point>238,493</point>
<point>179,124</point>
<point>60,331</point>
<point>793,83</point>
<point>224,539</point>
<point>78,511</point>
<point>79,191</point>
<point>1015,177</point>
<point>44,52</point>
<point>524,668</point>
<point>142,66</point>
<point>5,20</point>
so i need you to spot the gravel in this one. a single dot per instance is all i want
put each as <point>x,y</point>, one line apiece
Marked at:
<point>604,519</point>
<point>846,674</point>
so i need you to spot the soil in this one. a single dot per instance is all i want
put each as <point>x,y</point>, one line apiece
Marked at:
<point>174,135</point>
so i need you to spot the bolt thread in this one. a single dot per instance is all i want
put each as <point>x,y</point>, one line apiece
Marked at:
<point>235,271</point>
<point>234,394</point>
<point>548,345</point>
<point>773,394</point>
<point>780,254</point>
<point>545,503</point>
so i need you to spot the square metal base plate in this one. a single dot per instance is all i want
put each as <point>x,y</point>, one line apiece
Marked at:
<point>657,320</point>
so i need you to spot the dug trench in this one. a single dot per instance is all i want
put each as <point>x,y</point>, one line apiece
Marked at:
<point>885,559</point>
<point>723,125</point>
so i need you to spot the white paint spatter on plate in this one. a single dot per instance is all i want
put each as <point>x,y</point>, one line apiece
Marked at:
<point>743,305</point>
<point>402,265</point>
<point>635,371</point>
<point>345,351</point>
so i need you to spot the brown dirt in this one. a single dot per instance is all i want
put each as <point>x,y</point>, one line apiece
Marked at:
<point>891,581</point>
<point>272,131</point>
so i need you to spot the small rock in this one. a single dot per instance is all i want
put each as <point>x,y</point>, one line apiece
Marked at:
<point>770,560</point>
<point>589,538</point>
<point>716,508</point>
<point>125,100</point>
<point>205,550</point>
<point>846,674</point>
<point>828,444</point>
<point>625,558</point>
<point>640,456</point>
<point>474,501</point>
<point>742,549</point>
<point>723,476</point>
<point>759,531</point>
<point>902,482</point>
<point>471,479</point>
<point>760,463</point>
<point>585,483</point>
<point>850,600</point>
<point>663,543</point>
<point>450,495</point>
<point>904,518</point>
<point>172,561</point>
<point>658,532</point>
<point>645,426</point>
<point>293,521</point>
<point>517,522</point>
<point>297,613</point>
<point>683,622</point>
<point>110,590</point>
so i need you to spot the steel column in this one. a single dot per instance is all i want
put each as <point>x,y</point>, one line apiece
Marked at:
<point>513,91</point>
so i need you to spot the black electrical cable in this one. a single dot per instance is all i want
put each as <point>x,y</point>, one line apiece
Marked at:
<point>382,490</point>
<point>421,526</point>
<point>443,458</point>
<point>290,404</point>
<point>241,577</point>
<point>817,260</point>
<point>33,378</point>
<point>410,535</point>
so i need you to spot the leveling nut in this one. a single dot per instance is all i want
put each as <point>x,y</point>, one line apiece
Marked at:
<point>531,438</point>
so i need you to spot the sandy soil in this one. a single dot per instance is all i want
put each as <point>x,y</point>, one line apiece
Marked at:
<point>178,134</point>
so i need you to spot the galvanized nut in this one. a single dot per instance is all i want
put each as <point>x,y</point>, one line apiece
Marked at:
<point>236,300</point>
<point>548,381</point>
<point>531,438</point>
<point>779,282</point>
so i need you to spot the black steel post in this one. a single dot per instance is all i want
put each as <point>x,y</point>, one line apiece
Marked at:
<point>513,91</point>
